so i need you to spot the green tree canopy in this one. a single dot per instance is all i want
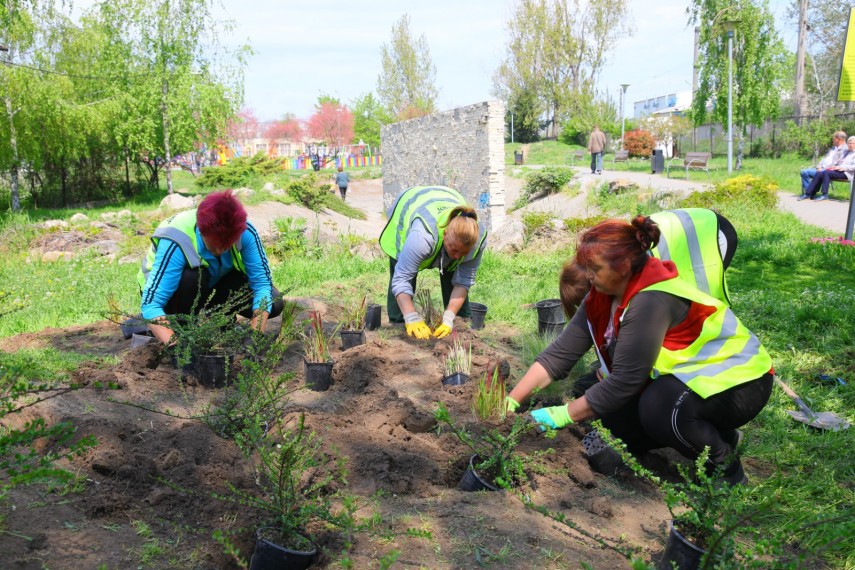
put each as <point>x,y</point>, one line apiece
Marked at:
<point>407,83</point>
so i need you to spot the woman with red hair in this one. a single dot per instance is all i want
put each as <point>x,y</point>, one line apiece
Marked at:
<point>677,368</point>
<point>196,252</point>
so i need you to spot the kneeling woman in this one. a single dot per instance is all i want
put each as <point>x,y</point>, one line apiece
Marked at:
<point>678,369</point>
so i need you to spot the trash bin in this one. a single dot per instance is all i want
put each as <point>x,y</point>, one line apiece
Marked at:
<point>657,161</point>
<point>518,157</point>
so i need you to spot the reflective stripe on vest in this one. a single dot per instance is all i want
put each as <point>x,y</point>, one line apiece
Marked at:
<point>724,355</point>
<point>431,205</point>
<point>181,229</point>
<point>689,238</point>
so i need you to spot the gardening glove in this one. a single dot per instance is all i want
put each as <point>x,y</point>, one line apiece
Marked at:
<point>444,329</point>
<point>555,417</point>
<point>511,405</point>
<point>415,325</point>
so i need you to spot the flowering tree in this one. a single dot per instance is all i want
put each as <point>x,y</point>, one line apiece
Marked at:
<point>288,129</point>
<point>332,123</point>
<point>244,128</point>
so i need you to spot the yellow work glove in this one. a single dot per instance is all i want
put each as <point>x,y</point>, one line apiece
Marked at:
<point>447,325</point>
<point>511,405</point>
<point>415,326</point>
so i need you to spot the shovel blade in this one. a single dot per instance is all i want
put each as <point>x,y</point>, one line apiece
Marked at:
<point>820,420</point>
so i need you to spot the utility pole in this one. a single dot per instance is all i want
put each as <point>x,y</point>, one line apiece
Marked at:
<point>695,82</point>
<point>13,138</point>
<point>800,97</point>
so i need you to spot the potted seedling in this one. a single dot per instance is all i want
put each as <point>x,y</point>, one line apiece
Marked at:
<point>489,400</point>
<point>318,363</point>
<point>494,463</point>
<point>297,484</point>
<point>457,364</point>
<point>428,309</point>
<point>207,340</point>
<point>353,325</point>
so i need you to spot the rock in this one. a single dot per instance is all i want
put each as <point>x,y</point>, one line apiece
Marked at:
<point>78,218</point>
<point>56,224</point>
<point>108,216</point>
<point>124,214</point>
<point>509,237</point>
<point>51,256</point>
<point>622,186</point>
<point>176,202</point>
<point>268,186</point>
<point>100,225</point>
<point>105,247</point>
<point>277,192</point>
<point>247,192</point>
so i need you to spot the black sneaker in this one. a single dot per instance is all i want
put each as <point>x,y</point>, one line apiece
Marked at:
<point>821,198</point>
<point>802,197</point>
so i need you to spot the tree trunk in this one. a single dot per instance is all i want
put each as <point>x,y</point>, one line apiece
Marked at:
<point>800,96</point>
<point>63,176</point>
<point>164,91</point>
<point>127,172</point>
<point>739,149</point>
<point>13,145</point>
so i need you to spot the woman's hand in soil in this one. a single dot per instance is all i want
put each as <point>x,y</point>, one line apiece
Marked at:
<point>447,325</point>
<point>415,326</point>
<point>555,417</point>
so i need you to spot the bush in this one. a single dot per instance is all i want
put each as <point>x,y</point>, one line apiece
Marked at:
<point>309,192</point>
<point>639,143</point>
<point>759,192</point>
<point>238,171</point>
<point>549,180</point>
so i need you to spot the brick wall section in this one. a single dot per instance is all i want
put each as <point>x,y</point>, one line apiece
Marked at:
<point>463,148</point>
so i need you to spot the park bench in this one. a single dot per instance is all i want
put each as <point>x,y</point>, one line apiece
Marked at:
<point>692,161</point>
<point>620,156</point>
<point>576,155</point>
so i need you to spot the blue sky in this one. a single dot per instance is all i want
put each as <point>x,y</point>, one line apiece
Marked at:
<point>305,49</point>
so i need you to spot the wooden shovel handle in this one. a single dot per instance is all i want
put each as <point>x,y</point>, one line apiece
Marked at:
<point>795,397</point>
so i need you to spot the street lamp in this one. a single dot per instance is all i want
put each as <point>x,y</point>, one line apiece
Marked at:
<point>729,27</point>
<point>623,87</point>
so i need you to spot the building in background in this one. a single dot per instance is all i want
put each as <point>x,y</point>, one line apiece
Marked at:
<point>663,105</point>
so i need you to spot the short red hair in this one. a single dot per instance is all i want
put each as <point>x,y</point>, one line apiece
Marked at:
<point>221,219</point>
<point>616,241</point>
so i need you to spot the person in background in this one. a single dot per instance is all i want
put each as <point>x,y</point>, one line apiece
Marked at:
<point>844,169</point>
<point>834,155</point>
<point>212,249</point>
<point>342,180</point>
<point>677,368</point>
<point>431,226</point>
<point>596,146</point>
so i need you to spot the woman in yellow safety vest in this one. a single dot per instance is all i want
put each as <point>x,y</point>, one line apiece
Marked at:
<point>677,368</point>
<point>431,226</point>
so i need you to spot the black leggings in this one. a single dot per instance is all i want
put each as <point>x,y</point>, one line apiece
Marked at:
<point>394,311</point>
<point>668,414</point>
<point>182,300</point>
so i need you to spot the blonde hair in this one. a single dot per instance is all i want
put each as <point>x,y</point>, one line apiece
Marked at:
<point>462,226</point>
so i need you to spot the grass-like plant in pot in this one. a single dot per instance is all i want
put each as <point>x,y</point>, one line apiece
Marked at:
<point>353,325</point>
<point>494,462</point>
<point>207,341</point>
<point>489,400</point>
<point>318,362</point>
<point>297,484</point>
<point>458,363</point>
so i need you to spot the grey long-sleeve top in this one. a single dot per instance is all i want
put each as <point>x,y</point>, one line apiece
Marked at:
<point>418,247</point>
<point>645,322</point>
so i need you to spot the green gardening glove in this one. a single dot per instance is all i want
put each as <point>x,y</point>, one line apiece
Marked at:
<point>554,417</point>
<point>511,405</point>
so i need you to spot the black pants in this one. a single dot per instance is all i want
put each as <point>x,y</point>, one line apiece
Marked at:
<point>394,311</point>
<point>185,295</point>
<point>342,190</point>
<point>822,181</point>
<point>668,414</point>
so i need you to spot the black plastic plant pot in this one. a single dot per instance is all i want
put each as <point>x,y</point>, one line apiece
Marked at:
<point>318,375</point>
<point>138,339</point>
<point>679,552</point>
<point>456,379</point>
<point>372,317</point>
<point>349,339</point>
<point>550,316</point>
<point>478,311</point>
<point>471,481</point>
<point>271,556</point>
<point>212,370</point>
<point>132,326</point>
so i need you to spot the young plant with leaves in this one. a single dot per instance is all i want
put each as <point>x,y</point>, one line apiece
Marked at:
<point>459,359</point>
<point>353,318</point>
<point>496,455</point>
<point>316,343</point>
<point>428,308</point>
<point>490,398</point>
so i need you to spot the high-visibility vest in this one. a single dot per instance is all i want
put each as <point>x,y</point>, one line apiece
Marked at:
<point>689,238</point>
<point>431,205</point>
<point>724,354</point>
<point>181,229</point>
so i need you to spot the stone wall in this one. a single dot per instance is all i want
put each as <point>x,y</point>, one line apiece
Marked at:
<point>463,148</point>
